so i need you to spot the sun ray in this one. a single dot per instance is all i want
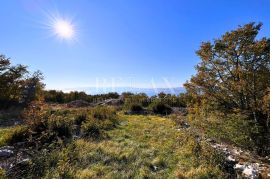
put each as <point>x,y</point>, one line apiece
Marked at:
<point>61,27</point>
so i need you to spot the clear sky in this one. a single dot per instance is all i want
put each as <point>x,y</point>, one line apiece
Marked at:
<point>120,41</point>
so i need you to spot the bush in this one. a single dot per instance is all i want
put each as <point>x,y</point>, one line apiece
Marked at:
<point>53,164</point>
<point>90,128</point>
<point>60,126</point>
<point>100,119</point>
<point>103,113</point>
<point>18,134</point>
<point>236,128</point>
<point>35,118</point>
<point>160,108</point>
<point>136,109</point>
<point>80,119</point>
<point>46,126</point>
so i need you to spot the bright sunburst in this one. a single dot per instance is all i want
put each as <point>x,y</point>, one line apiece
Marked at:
<point>63,29</point>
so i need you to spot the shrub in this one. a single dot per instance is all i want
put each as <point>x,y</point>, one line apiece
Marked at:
<point>18,134</point>
<point>136,108</point>
<point>46,126</point>
<point>53,164</point>
<point>100,119</point>
<point>90,128</point>
<point>80,119</point>
<point>160,108</point>
<point>135,99</point>
<point>103,113</point>
<point>60,126</point>
<point>232,128</point>
<point>35,118</point>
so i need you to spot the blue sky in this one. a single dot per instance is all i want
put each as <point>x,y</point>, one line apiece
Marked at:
<point>120,42</point>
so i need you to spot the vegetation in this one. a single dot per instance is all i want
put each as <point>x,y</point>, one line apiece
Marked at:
<point>228,100</point>
<point>141,147</point>
<point>100,119</point>
<point>159,107</point>
<point>234,129</point>
<point>161,104</point>
<point>11,135</point>
<point>60,97</point>
<point>233,76</point>
<point>17,85</point>
<point>136,108</point>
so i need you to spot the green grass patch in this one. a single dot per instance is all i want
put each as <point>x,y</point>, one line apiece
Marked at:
<point>10,135</point>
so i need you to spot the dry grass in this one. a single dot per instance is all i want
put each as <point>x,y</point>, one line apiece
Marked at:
<point>140,147</point>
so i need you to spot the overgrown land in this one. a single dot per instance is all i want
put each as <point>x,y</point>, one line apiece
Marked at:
<point>52,134</point>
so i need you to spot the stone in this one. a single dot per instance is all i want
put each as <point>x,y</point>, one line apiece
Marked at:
<point>6,153</point>
<point>78,103</point>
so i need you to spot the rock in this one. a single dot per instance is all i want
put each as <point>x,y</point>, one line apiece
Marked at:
<point>78,103</point>
<point>230,158</point>
<point>248,170</point>
<point>6,153</point>
<point>111,102</point>
<point>236,151</point>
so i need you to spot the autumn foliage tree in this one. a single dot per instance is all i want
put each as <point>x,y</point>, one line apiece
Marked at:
<point>17,85</point>
<point>234,72</point>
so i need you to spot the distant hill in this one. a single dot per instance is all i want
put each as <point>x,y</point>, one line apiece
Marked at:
<point>147,91</point>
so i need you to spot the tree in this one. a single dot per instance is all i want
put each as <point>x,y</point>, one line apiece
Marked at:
<point>16,84</point>
<point>33,88</point>
<point>266,106</point>
<point>54,96</point>
<point>234,71</point>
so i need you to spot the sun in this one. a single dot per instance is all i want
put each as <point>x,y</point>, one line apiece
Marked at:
<point>60,26</point>
<point>63,29</point>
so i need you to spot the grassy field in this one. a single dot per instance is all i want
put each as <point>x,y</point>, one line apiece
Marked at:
<point>139,147</point>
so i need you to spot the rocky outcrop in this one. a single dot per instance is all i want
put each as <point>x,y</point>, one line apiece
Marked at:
<point>14,160</point>
<point>245,163</point>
